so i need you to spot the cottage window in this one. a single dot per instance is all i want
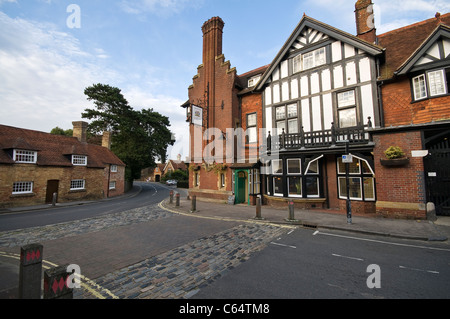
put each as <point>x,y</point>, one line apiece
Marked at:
<point>79,160</point>
<point>113,168</point>
<point>77,184</point>
<point>112,185</point>
<point>22,156</point>
<point>22,188</point>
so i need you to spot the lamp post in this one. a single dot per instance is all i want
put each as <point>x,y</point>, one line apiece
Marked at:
<point>347,159</point>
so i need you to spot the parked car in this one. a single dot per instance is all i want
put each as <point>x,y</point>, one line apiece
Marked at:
<point>171,182</point>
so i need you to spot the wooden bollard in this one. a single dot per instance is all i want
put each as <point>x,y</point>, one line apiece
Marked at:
<point>258,209</point>
<point>30,272</point>
<point>171,197</point>
<point>55,283</point>
<point>177,199</point>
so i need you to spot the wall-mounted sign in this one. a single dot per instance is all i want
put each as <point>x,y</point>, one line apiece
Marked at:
<point>197,115</point>
<point>347,159</point>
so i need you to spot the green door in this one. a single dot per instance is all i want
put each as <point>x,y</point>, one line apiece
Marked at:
<point>240,190</point>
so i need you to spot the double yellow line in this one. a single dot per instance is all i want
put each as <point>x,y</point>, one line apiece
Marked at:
<point>86,283</point>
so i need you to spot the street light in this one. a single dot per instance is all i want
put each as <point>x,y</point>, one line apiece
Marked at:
<point>347,159</point>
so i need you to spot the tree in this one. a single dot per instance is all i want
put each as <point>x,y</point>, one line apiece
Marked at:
<point>59,131</point>
<point>138,137</point>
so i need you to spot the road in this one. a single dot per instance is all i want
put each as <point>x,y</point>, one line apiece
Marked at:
<point>307,264</point>
<point>150,194</point>
<point>165,255</point>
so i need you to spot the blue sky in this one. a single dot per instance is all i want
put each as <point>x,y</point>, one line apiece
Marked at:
<point>150,49</point>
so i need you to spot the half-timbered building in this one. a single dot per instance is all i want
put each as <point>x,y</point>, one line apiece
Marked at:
<point>319,98</point>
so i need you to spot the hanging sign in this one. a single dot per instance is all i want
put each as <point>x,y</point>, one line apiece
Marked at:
<point>197,115</point>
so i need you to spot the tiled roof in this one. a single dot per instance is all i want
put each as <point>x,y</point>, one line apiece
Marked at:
<point>53,150</point>
<point>401,43</point>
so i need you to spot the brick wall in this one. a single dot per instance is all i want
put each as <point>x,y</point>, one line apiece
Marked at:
<point>95,185</point>
<point>398,109</point>
<point>400,190</point>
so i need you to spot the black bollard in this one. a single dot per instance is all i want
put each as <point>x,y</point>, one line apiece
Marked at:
<point>194,204</point>
<point>55,284</point>
<point>30,272</point>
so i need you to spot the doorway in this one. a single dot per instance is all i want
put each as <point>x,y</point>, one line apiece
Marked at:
<point>241,187</point>
<point>52,187</point>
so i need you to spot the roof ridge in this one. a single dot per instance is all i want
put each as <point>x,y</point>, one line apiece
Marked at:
<point>416,24</point>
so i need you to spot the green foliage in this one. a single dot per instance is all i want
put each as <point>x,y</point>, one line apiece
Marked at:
<point>394,152</point>
<point>138,137</point>
<point>59,131</point>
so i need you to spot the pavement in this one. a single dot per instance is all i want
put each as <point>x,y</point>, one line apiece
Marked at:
<point>146,253</point>
<point>424,230</point>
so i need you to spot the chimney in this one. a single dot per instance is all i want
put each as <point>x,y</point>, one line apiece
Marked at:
<point>212,39</point>
<point>365,23</point>
<point>106,140</point>
<point>79,131</point>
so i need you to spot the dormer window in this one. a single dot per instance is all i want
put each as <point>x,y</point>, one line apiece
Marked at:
<point>431,84</point>
<point>79,160</point>
<point>253,80</point>
<point>22,156</point>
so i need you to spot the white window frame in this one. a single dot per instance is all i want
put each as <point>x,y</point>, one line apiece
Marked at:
<point>420,94</point>
<point>113,168</point>
<point>433,84</point>
<point>253,80</point>
<point>79,160</point>
<point>21,156</point>
<point>289,184</point>
<point>252,130</point>
<point>112,185</point>
<point>20,188</point>
<point>77,184</point>
<point>274,188</point>
<point>347,102</point>
<point>280,165</point>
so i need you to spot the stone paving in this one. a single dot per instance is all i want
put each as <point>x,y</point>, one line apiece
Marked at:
<point>175,274</point>
<point>181,272</point>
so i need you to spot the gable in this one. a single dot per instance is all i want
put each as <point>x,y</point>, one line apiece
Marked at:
<point>434,51</point>
<point>309,35</point>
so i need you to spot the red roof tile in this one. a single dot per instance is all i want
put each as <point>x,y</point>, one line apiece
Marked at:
<point>53,150</point>
<point>401,43</point>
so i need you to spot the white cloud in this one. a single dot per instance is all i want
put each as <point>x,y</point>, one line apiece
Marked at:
<point>43,74</point>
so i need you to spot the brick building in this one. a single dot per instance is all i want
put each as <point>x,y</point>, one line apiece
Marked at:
<point>414,84</point>
<point>35,165</point>
<point>325,94</point>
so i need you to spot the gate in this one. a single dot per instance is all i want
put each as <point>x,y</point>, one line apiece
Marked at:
<point>437,172</point>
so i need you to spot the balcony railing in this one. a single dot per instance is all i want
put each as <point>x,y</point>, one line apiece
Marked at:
<point>325,138</point>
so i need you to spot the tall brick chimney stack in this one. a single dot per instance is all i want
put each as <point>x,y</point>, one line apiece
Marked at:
<point>80,131</point>
<point>212,39</point>
<point>106,140</point>
<point>365,23</point>
<point>212,48</point>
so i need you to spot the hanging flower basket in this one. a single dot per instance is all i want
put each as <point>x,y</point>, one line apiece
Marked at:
<point>395,157</point>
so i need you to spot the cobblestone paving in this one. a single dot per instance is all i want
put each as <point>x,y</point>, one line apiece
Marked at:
<point>176,274</point>
<point>182,272</point>
<point>31,235</point>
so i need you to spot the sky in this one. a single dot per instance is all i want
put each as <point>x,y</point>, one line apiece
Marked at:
<point>51,50</point>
